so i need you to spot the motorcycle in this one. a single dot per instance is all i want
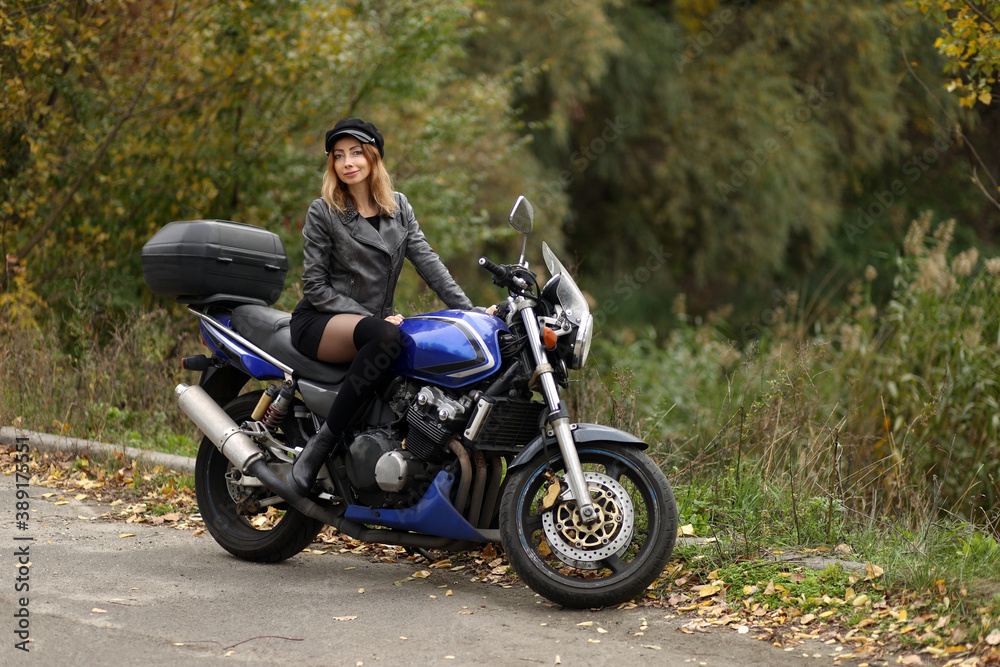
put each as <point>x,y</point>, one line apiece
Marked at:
<point>467,442</point>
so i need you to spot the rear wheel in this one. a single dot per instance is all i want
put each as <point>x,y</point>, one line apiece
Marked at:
<point>584,565</point>
<point>249,522</point>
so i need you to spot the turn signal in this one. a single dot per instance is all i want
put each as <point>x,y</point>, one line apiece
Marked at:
<point>549,338</point>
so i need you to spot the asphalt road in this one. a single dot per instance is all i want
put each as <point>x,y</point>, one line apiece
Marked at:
<point>166,597</point>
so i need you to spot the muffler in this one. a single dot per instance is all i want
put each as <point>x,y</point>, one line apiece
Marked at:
<point>219,427</point>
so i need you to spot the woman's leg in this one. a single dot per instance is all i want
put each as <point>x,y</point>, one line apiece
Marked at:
<point>337,344</point>
<point>376,344</point>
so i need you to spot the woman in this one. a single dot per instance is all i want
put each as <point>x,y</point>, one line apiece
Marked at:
<point>354,240</point>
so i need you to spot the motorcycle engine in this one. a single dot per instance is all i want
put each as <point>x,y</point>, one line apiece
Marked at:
<point>383,473</point>
<point>433,419</point>
<point>386,471</point>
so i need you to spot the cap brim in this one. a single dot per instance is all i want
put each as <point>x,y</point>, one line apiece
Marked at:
<point>357,134</point>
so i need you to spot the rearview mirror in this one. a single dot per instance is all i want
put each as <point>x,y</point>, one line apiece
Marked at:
<point>522,216</point>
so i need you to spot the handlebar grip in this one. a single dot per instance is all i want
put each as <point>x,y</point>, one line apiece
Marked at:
<point>492,268</point>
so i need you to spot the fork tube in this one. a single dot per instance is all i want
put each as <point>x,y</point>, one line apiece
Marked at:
<point>564,436</point>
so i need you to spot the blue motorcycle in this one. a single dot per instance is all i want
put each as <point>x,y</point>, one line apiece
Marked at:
<point>468,441</point>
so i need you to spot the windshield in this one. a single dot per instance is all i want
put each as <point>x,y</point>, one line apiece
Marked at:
<point>569,294</point>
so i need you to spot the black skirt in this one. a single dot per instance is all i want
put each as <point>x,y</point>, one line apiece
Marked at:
<point>307,327</point>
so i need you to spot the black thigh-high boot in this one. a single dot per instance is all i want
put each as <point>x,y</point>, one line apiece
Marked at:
<point>379,344</point>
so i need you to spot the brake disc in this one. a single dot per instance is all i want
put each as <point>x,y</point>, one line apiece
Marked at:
<point>583,545</point>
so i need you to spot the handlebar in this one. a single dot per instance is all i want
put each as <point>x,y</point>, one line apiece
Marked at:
<point>503,275</point>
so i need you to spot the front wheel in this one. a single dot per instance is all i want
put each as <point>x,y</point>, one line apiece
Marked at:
<point>249,522</point>
<point>603,563</point>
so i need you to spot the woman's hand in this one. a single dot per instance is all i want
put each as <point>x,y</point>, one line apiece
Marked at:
<point>395,319</point>
<point>492,310</point>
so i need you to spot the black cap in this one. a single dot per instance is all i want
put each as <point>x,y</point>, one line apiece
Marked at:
<point>358,129</point>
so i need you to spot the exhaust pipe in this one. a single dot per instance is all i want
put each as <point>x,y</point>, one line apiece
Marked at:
<point>218,426</point>
<point>236,446</point>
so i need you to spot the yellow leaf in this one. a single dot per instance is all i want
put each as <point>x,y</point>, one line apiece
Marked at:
<point>423,574</point>
<point>873,571</point>
<point>686,531</point>
<point>127,535</point>
<point>361,590</point>
<point>860,600</point>
<point>95,610</point>
<point>705,591</point>
<point>807,619</point>
<point>80,496</point>
<point>985,98</point>
<point>585,624</point>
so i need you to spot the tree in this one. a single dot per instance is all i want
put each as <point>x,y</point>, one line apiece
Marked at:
<point>970,39</point>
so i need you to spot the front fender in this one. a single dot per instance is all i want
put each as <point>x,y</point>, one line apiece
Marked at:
<point>582,433</point>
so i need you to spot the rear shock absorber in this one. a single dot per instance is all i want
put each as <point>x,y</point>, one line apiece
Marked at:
<point>278,408</point>
<point>265,401</point>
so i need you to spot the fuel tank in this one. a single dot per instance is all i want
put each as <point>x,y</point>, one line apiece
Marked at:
<point>452,348</point>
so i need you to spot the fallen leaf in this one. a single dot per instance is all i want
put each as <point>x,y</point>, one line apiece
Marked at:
<point>686,531</point>
<point>361,590</point>
<point>344,618</point>
<point>860,600</point>
<point>423,574</point>
<point>127,535</point>
<point>711,589</point>
<point>95,610</point>
<point>911,660</point>
<point>873,571</point>
<point>80,496</point>
<point>807,619</point>
<point>653,646</point>
<point>602,631</point>
<point>593,641</point>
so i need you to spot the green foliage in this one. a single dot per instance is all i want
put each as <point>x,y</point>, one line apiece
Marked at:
<point>875,408</point>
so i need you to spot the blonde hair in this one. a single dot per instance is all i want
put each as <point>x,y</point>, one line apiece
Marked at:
<point>338,197</point>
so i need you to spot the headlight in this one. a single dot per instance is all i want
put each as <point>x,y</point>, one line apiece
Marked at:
<point>581,347</point>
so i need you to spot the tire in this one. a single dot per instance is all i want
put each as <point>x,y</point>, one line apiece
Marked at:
<point>610,562</point>
<point>289,530</point>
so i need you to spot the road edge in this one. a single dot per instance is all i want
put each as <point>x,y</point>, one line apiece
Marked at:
<point>55,443</point>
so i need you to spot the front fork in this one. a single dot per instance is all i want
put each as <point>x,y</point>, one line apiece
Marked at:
<point>560,423</point>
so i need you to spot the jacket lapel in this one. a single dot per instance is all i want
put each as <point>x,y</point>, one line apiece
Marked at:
<point>392,232</point>
<point>361,230</point>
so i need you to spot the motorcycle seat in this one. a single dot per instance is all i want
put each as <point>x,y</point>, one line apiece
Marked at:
<point>268,329</point>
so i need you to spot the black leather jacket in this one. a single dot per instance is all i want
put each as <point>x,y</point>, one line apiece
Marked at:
<point>349,267</point>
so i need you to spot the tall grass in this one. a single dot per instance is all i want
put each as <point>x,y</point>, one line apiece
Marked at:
<point>868,410</point>
<point>91,378</point>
